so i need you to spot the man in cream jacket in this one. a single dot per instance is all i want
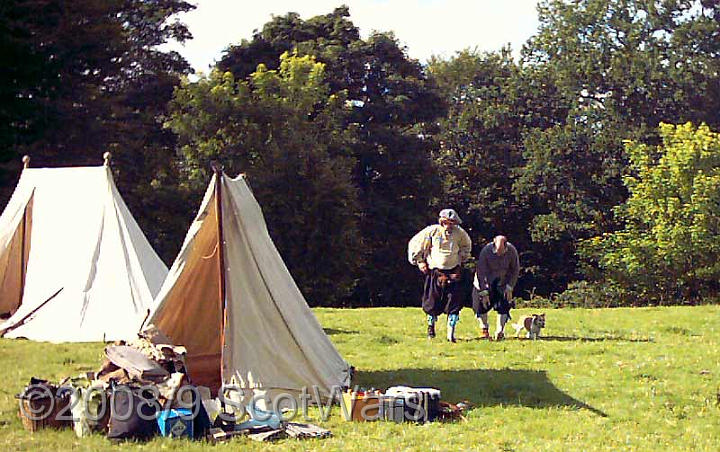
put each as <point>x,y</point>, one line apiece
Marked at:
<point>439,251</point>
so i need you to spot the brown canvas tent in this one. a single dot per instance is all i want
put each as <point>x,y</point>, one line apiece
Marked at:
<point>231,301</point>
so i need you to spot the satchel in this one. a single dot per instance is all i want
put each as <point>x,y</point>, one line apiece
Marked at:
<point>132,413</point>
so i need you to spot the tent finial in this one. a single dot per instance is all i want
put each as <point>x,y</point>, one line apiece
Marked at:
<point>216,166</point>
<point>107,156</point>
<point>26,161</point>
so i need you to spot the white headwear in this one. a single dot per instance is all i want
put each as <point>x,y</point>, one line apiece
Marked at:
<point>450,214</point>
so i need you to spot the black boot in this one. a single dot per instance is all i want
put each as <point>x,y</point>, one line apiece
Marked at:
<point>431,331</point>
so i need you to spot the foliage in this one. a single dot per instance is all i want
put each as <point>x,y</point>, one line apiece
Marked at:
<point>494,102</point>
<point>283,128</point>
<point>570,180</point>
<point>569,200</point>
<point>480,137</point>
<point>644,61</point>
<point>585,294</point>
<point>531,148</point>
<point>619,67</point>
<point>623,66</point>
<point>332,38</point>
<point>391,99</point>
<point>669,248</point>
<point>87,59</point>
<point>84,77</point>
<point>650,370</point>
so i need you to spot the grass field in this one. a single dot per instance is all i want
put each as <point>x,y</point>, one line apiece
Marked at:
<point>612,379</point>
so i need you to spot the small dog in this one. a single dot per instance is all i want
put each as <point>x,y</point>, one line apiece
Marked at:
<point>532,323</point>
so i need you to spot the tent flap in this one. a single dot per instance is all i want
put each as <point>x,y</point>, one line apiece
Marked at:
<point>15,246</point>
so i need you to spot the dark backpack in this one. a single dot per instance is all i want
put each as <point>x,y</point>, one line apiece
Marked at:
<point>132,413</point>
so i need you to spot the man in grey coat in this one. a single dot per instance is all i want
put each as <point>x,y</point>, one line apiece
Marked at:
<point>496,275</point>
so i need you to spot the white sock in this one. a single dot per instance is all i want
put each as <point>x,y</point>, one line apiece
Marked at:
<point>483,321</point>
<point>502,320</point>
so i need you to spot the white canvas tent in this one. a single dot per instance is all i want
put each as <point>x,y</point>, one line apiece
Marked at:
<point>231,301</point>
<point>69,229</point>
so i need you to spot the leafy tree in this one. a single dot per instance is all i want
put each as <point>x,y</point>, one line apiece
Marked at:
<point>622,67</point>
<point>669,247</point>
<point>493,102</point>
<point>22,77</point>
<point>145,151</point>
<point>480,138</point>
<point>391,99</point>
<point>284,128</point>
<point>644,61</point>
<point>331,38</point>
<point>571,180</point>
<point>85,76</point>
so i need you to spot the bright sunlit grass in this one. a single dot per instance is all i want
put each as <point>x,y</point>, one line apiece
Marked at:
<point>606,379</point>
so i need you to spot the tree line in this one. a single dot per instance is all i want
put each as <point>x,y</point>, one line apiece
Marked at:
<point>596,151</point>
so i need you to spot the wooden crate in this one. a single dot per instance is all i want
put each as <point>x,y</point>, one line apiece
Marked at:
<point>362,407</point>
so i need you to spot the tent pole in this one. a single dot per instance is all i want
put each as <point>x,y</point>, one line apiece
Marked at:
<point>221,266</point>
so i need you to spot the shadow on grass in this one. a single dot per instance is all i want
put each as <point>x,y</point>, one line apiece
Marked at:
<point>331,331</point>
<point>482,387</point>
<point>568,339</point>
<point>593,339</point>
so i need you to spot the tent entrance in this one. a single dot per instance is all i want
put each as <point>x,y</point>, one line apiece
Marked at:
<point>13,264</point>
<point>205,370</point>
<point>191,313</point>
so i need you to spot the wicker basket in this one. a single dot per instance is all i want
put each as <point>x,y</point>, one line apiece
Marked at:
<point>39,413</point>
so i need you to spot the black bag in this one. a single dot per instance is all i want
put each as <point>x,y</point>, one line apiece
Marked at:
<point>132,413</point>
<point>201,421</point>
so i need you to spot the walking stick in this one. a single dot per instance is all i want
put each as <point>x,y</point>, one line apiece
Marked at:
<point>22,321</point>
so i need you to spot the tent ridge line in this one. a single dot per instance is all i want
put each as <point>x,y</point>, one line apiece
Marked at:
<point>125,238</point>
<point>221,265</point>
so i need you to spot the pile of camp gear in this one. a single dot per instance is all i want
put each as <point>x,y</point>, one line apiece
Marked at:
<point>135,394</point>
<point>399,404</point>
<point>141,390</point>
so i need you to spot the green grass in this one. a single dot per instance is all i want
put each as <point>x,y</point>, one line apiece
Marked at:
<point>606,379</point>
